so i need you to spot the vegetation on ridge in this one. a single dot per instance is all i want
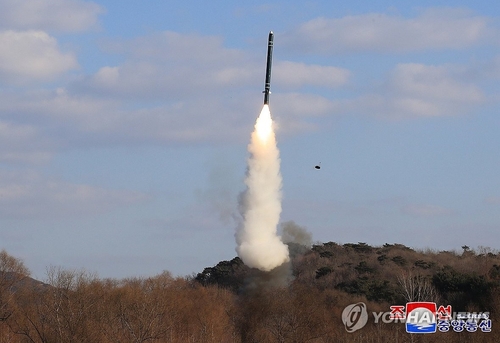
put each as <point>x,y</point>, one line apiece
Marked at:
<point>217,305</point>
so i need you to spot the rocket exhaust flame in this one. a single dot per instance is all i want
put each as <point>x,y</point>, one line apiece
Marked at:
<point>264,126</point>
<point>259,246</point>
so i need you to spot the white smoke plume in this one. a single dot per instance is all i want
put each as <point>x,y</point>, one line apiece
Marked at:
<point>259,245</point>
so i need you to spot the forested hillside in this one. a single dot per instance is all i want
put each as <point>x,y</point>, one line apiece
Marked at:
<point>229,302</point>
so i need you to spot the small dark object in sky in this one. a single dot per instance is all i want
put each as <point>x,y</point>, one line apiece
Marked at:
<point>318,166</point>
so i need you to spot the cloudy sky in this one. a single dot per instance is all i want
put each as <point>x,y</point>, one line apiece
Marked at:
<point>124,126</point>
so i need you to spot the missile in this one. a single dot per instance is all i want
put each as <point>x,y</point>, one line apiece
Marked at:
<point>267,86</point>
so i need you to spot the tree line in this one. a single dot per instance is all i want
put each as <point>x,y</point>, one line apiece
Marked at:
<point>217,304</point>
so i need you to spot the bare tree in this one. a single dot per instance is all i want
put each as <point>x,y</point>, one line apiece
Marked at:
<point>12,272</point>
<point>416,287</point>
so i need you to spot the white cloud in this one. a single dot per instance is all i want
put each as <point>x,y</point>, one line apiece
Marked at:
<point>69,113</point>
<point>49,15</point>
<point>73,119</point>
<point>434,82</point>
<point>418,90</point>
<point>170,65</point>
<point>177,47</point>
<point>56,111</point>
<point>293,75</point>
<point>200,89</point>
<point>22,143</point>
<point>296,112</point>
<point>436,28</point>
<point>202,92</point>
<point>303,105</point>
<point>28,194</point>
<point>32,55</point>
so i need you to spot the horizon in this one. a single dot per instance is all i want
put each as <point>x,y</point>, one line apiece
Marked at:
<point>478,251</point>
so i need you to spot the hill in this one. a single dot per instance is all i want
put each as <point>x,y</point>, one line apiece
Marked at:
<point>392,273</point>
<point>302,301</point>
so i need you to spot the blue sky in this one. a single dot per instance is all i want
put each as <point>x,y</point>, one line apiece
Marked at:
<point>124,126</point>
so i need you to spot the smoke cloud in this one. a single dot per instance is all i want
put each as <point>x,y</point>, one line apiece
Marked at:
<point>298,239</point>
<point>294,233</point>
<point>258,243</point>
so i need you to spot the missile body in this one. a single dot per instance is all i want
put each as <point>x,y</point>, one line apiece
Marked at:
<point>267,86</point>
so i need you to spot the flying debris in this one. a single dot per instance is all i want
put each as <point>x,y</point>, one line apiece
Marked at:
<point>267,86</point>
<point>318,166</point>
